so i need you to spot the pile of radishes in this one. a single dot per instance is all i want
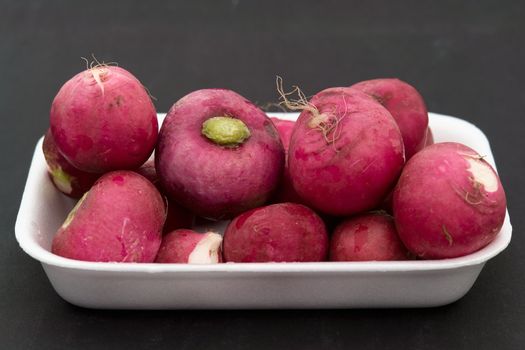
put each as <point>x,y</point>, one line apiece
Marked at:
<point>356,177</point>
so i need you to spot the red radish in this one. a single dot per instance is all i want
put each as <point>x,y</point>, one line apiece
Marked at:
<point>119,220</point>
<point>283,232</point>
<point>367,237</point>
<point>218,154</point>
<point>187,246</point>
<point>177,216</point>
<point>285,191</point>
<point>405,104</point>
<point>66,178</point>
<point>449,202</point>
<point>103,119</point>
<point>346,152</point>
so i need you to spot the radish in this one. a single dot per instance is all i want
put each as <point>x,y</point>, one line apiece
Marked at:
<point>218,154</point>
<point>449,202</point>
<point>283,232</point>
<point>367,237</point>
<point>66,178</point>
<point>187,246</point>
<point>118,220</point>
<point>346,151</point>
<point>103,119</point>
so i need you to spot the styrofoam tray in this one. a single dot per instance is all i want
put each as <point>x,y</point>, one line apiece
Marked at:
<point>248,285</point>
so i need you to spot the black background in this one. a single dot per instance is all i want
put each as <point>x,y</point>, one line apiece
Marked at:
<point>466,57</point>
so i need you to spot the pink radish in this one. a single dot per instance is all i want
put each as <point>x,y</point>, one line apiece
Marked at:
<point>448,202</point>
<point>218,154</point>
<point>66,178</point>
<point>118,220</point>
<point>367,237</point>
<point>103,119</point>
<point>346,151</point>
<point>279,233</point>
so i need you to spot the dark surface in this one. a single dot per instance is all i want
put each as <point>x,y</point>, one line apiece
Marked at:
<point>466,57</point>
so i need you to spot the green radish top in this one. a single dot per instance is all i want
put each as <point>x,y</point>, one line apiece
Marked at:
<point>225,131</point>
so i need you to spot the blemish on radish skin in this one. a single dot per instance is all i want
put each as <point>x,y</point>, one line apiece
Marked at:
<point>119,180</point>
<point>118,100</point>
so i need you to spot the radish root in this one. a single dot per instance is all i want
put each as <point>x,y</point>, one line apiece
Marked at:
<point>325,122</point>
<point>447,235</point>
<point>98,70</point>
<point>299,104</point>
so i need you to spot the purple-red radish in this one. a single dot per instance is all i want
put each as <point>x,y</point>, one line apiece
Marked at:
<point>187,246</point>
<point>103,119</point>
<point>283,232</point>
<point>177,216</point>
<point>367,237</point>
<point>118,220</point>
<point>346,151</point>
<point>218,154</point>
<point>66,178</point>
<point>405,104</point>
<point>449,202</point>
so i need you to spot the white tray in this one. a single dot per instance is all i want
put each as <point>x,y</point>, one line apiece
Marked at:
<point>248,285</point>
